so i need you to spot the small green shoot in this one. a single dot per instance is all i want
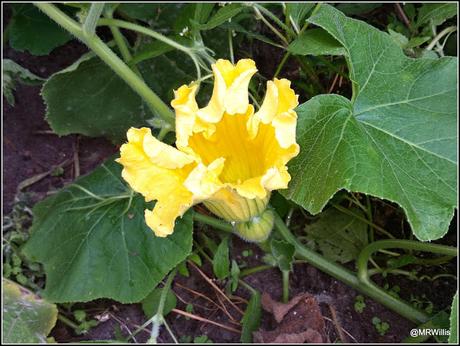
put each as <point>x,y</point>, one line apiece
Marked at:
<point>381,327</point>
<point>360,304</point>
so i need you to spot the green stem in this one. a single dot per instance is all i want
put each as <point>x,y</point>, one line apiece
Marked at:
<point>372,272</point>
<point>286,28</point>
<point>310,72</point>
<point>164,292</point>
<point>163,132</point>
<point>253,270</point>
<point>281,64</point>
<point>168,328</point>
<point>95,11</point>
<point>285,274</point>
<point>369,216</point>
<point>434,261</point>
<point>68,322</point>
<point>211,221</point>
<point>247,286</point>
<point>230,46</point>
<point>119,39</point>
<point>155,35</point>
<point>362,284</point>
<point>271,27</point>
<point>366,253</point>
<point>316,9</point>
<point>157,319</point>
<point>346,276</point>
<point>156,105</point>
<point>438,37</point>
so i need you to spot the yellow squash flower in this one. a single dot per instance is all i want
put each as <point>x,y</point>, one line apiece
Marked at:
<point>227,155</point>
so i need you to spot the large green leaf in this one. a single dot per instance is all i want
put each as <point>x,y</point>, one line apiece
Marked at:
<point>90,99</point>
<point>339,236</point>
<point>395,140</point>
<point>436,13</point>
<point>316,42</point>
<point>26,317</point>
<point>33,31</point>
<point>93,241</point>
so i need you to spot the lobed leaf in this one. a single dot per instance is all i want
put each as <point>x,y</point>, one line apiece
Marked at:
<point>32,31</point>
<point>90,99</point>
<point>316,42</point>
<point>436,13</point>
<point>396,139</point>
<point>93,241</point>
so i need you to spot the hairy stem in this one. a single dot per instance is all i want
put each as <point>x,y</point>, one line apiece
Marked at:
<point>349,278</point>
<point>155,35</point>
<point>95,11</point>
<point>156,105</point>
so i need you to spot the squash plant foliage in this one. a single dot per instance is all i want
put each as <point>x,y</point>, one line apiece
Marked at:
<point>394,139</point>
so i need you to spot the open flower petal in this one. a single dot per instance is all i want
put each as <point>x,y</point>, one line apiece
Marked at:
<point>167,209</point>
<point>157,171</point>
<point>204,181</point>
<point>278,109</point>
<point>230,93</point>
<point>227,156</point>
<point>187,119</point>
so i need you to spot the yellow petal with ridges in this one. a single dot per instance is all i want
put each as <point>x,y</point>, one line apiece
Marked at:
<point>230,93</point>
<point>164,155</point>
<point>227,156</point>
<point>203,181</point>
<point>287,99</point>
<point>157,171</point>
<point>187,119</point>
<point>185,105</point>
<point>163,216</point>
<point>213,112</point>
<point>237,97</point>
<point>278,109</point>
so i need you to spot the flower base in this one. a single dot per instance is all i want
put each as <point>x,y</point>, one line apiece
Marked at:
<point>257,229</point>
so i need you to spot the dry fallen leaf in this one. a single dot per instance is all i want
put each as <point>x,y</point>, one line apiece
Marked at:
<point>299,321</point>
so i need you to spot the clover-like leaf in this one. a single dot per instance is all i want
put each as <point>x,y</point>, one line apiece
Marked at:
<point>396,138</point>
<point>93,241</point>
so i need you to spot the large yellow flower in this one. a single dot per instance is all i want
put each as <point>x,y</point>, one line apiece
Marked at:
<point>226,155</point>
